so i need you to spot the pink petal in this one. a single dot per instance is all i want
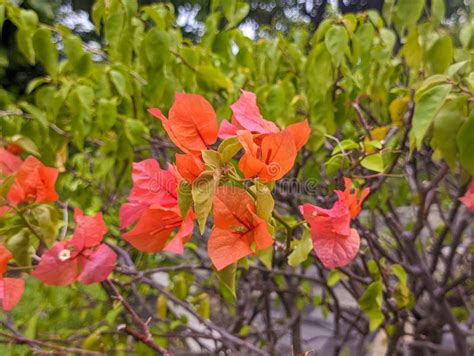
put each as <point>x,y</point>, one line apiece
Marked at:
<point>337,251</point>
<point>131,212</point>
<point>98,266</point>
<point>11,290</point>
<point>53,271</point>
<point>227,130</point>
<point>247,115</point>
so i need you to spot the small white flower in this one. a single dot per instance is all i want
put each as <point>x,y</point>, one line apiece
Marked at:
<point>64,255</point>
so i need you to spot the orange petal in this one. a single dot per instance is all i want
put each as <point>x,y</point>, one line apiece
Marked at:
<point>300,133</point>
<point>226,247</point>
<point>189,166</point>
<point>191,124</point>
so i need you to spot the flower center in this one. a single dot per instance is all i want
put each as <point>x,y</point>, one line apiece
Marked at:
<point>64,255</point>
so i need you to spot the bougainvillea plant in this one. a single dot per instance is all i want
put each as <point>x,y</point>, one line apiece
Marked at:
<point>203,179</point>
<point>164,204</point>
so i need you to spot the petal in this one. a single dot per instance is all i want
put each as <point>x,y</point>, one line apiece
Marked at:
<point>260,232</point>
<point>34,182</point>
<point>300,133</point>
<point>45,191</point>
<point>189,166</point>
<point>337,251</point>
<point>183,235</point>
<point>154,185</point>
<point>468,198</point>
<point>227,130</point>
<point>231,207</point>
<point>98,265</point>
<point>250,165</point>
<point>279,154</point>
<point>11,290</point>
<point>247,114</point>
<point>51,270</point>
<point>5,256</point>
<point>131,212</point>
<point>192,122</point>
<point>9,163</point>
<point>90,230</point>
<point>153,229</point>
<point>226,247</point>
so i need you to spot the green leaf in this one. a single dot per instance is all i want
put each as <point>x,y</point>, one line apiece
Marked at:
<point>119,82</point>
<point>212,79</point>
<point>345,145</point>
<point>229,148</point>
<point>301,250</point>
<point>438,10</point>
<point>203,305</point>
<point>334,277</point>
<point>156,45</point>
<point>48,222</point>
<point>426,107</point>
<point>185,197</point>
<point>212,159</point>
<point>45,50</point>
<point>373,162</point>
<point>20,246</point>
<point>2,17</point>
<point>440,55</point>
<point>336,41</point>
<point>227,277</point>
<point>35,83</point>
<point>266,256</point>
<point>162,306</point>
<point>400,272</point>
<point>264,201</point>
<point>465,145</point>
<point>203,189</point>
<point>135,130</point>
<point>371,304</point>
<point>24,40</point>
<point>446,125</point>
<point>106,113</point>
<point>407,12</point>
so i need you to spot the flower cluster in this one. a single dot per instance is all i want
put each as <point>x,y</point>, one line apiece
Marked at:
<point>83,258</point>
<point>163,201</point>
<point>334,242</point>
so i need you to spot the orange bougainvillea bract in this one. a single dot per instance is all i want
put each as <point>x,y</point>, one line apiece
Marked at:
<point>191,123</point>
<point>334,242</point>
<point>33,182</point>
<point>237,227</point>
<point>189,166</point>
<point>83,258</point>
<point>11,289</point>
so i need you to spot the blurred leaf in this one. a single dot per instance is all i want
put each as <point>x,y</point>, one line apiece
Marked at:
<point>227,277</point>
<point>371,304</point>
<point>466,148</point>
<point>337,40</point>
<point>440,55</point>
<point>426,107</point>
<point>301,251</point>
<point>203,192</point>
<point>45,50</point>
<point>373,162</point>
